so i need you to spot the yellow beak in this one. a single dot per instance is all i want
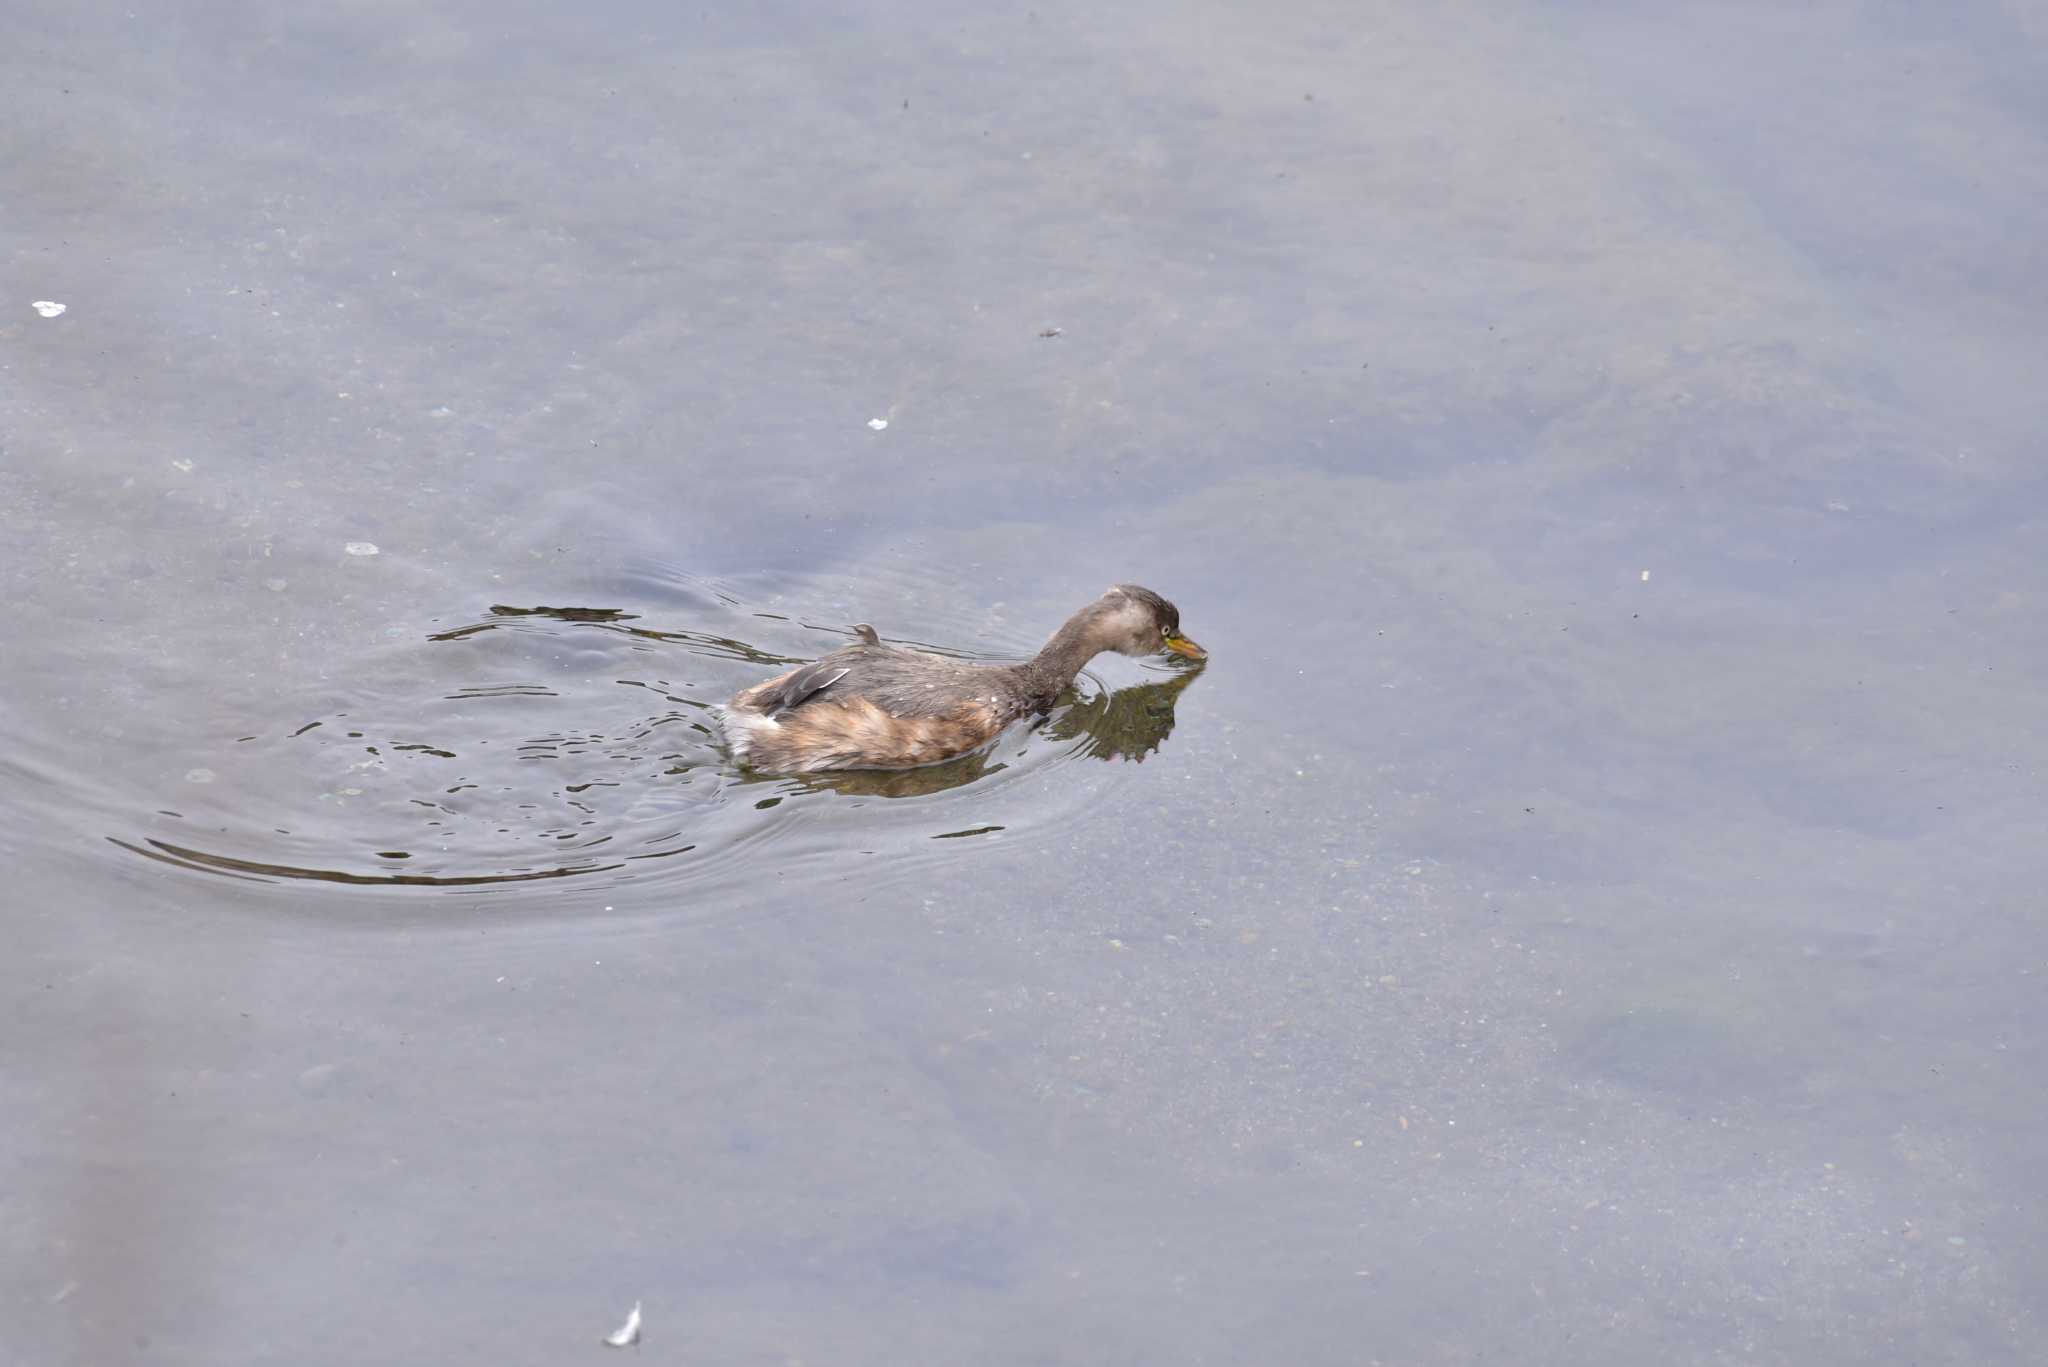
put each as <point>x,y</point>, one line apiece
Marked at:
<point>1181,645</point>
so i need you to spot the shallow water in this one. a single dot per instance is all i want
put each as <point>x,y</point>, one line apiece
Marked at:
<point>1586,911</point>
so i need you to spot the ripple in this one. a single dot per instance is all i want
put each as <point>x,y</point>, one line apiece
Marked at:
<point>530,746</point>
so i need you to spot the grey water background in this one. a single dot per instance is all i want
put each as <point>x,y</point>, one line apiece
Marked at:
<point>1589,910</point>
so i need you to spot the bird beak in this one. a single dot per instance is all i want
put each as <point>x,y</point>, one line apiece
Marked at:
<point>1181,645</point>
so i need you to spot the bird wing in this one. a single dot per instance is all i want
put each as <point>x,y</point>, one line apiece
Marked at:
<point>800,686</point>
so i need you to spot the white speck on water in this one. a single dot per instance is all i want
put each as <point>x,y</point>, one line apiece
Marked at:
<point>275,585</point>
<point>1646,576</point>
<point>49,308</point>
<point>361,548</point>
<point>444,411</point>
<point>878,423</point>
<point>627,1333</point>
<point>182,466</point>
<point>199,775</point>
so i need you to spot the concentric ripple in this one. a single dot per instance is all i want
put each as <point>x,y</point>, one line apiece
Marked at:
<point>532,744</point>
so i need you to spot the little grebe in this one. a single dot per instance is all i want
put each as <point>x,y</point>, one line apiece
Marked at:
<point>876,706</point>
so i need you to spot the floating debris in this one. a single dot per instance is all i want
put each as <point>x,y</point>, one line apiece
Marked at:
<point>1049,332</point>
<point>49,308</point>
<point>361,548</point>
<point>878,423</point>
<point>628,1333</point>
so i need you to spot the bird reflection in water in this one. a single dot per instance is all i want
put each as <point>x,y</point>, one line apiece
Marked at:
<point>1130,723</point>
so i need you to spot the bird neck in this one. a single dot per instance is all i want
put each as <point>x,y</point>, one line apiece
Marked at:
<point>1055,666</point>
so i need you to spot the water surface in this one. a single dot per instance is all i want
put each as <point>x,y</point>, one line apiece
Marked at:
<point>1586,912</point>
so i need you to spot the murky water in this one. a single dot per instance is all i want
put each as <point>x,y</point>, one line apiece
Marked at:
<point>1586,911</point>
